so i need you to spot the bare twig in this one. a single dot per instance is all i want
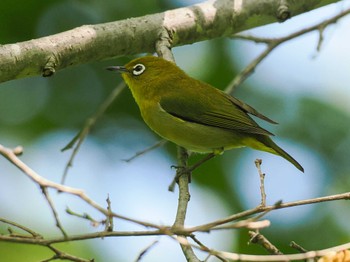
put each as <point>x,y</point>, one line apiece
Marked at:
<point>8,154</point>
<point>249,69</point>
<point>259,209</point>
<point>257,238</point>
<point>262,258</point>
<point>258,163</point>
<point>184,198</point>
<point>77,141</point>
<point>183,241</point>
<point>298,247</point>
<point>272,43</point>
<point>146,249</point>
<point>205,248</point>
<point>59,254</point>
<point>53,209</point>
<point>248,223</point>
<point>43,182</point>
<point>26,229</point>
<point>86,216</point>
<point>109,219</point>
<point>146,150</point>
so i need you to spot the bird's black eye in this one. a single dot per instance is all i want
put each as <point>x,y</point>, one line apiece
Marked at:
<point>138,69</point>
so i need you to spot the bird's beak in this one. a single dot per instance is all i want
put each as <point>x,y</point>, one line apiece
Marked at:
<point>117,68</point>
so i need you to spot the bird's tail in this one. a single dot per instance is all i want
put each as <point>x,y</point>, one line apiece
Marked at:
<point>272,147</point>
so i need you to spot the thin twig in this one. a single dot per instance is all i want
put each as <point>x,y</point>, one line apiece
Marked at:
<point>146,249</point>
<point>248,223</point>
<point>85,236</point>
<point>278,205</point>
<point>59,254</point>
<point>183,241</point>
<point>262,258</point>
<point>257,238</point>
<point>77,141</point>
<point>53,209</point>
<point>26,229</point>
<point>272,43</point>
<point>8,154</point>
<point>205,248</point>
<point>146,150</point>
<point>258,163</point>
<point>184,198</point>
<point>249,69</point>
<point>43,182</point>
<point>298,247</point>
<point>86,216</point>
<point>109,219</point>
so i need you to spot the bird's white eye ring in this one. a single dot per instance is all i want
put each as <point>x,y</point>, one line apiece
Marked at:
<point>138,69</point>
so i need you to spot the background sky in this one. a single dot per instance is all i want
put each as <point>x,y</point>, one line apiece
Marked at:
<point>304,90</point>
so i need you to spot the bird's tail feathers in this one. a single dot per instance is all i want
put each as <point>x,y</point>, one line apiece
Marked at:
<point>264,143</point>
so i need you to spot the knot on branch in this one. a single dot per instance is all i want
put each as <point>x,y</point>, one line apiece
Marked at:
<point>283,12</point>
<point>49,68</point>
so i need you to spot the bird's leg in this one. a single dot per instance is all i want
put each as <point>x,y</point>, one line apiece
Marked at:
<point>182,169</point>
<point>216,152</point>
<point>200,162</point>
<point>189,169</point>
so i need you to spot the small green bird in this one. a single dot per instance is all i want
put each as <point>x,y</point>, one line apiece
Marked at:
<point>193,114</point>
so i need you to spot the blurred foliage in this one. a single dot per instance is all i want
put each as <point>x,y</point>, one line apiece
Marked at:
<point>30,108</point>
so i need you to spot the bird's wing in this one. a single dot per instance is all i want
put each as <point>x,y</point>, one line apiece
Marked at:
<point>249,109</point>
<point>228,113</point>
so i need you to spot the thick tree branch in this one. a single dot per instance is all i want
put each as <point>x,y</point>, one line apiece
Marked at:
<point>88,43</point>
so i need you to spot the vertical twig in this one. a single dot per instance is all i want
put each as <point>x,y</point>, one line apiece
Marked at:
<point>109,219</point>
<point>163,47</point>
<point>184,197</point>
<point>258,163</point>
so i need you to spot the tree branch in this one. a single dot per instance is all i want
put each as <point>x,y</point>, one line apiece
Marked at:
<point>42,182</point>
<point>182,176</point>
<point>184,198</point>
<point>212,19</point>
<point>272,43</point>
<point>77,141</point>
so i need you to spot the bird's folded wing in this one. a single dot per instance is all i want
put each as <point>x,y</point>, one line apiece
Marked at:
<point>249,109</point>
<point>226,114</point>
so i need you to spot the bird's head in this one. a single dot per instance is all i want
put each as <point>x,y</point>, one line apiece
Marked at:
<point>146,70</point>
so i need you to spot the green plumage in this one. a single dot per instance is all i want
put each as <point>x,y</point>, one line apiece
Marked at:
<point>194,114</point>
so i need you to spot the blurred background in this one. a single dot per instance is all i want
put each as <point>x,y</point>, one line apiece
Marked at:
<point>304,90</point>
